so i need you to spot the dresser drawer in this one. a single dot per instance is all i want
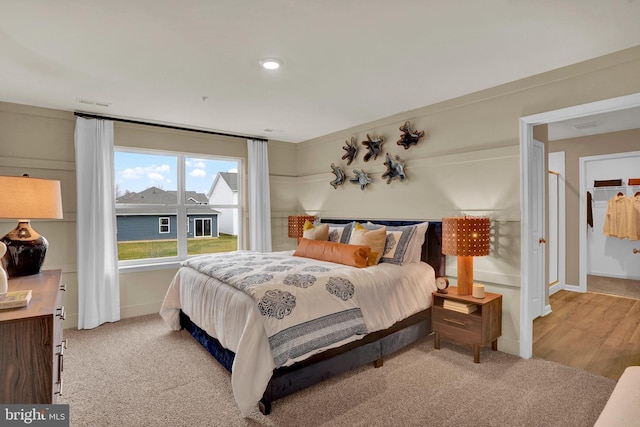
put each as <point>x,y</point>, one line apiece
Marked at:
<point>32,342</point>
<point>465,327</point>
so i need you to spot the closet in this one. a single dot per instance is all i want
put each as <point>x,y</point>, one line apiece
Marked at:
<point>607,255</point>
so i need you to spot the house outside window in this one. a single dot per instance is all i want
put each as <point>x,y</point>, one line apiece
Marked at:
<point>169,207</point>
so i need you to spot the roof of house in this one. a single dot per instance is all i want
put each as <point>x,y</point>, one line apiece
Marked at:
<point>231,178</point>
<point>158,196</point>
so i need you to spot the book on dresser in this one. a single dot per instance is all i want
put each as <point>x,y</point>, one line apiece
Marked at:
<point>461,307</point>
<point>15,299</point>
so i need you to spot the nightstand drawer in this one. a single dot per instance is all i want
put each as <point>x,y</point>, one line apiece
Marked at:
<point>467,327</point>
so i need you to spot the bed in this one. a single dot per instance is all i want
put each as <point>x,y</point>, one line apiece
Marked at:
<point>267,360</point>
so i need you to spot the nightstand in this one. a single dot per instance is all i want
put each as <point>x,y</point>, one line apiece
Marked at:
<point>481,327</point>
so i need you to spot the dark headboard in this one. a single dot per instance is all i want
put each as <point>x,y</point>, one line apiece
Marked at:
<point>432,247</point>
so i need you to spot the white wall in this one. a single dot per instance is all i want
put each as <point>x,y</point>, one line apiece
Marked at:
<point>610,256</point>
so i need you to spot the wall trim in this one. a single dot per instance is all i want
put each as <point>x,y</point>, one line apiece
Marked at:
<point>21,162</point>
<point>446,160</point>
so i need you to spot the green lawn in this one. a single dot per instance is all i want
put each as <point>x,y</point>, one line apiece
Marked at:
<point>168,248</point>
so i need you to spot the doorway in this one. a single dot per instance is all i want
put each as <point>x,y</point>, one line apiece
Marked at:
<point>530,266</point>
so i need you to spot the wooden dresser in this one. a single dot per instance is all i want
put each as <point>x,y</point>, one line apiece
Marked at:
<point>31,344</point>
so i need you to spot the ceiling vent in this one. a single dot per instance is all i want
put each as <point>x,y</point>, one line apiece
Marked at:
<point>96,103</point>
<point>588,125</point>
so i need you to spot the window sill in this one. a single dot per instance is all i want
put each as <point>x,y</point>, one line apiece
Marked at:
<point>135,268</point>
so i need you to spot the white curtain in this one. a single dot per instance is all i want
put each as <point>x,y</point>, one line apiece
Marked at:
<point>98,281</point>
<point>259,197</point>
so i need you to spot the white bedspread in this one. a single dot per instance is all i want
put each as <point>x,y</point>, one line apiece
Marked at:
<point>385,294</point>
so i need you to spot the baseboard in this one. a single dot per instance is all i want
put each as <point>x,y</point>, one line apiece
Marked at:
<point>140,310</point>
<point>555,288</point>
<point>71,320</point>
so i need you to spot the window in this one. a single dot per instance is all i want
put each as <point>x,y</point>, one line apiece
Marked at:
<point>170,206</point>
<point>164,224</point>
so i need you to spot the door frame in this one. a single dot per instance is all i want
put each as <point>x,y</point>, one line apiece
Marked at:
<point>560,161</point>
<point>526,198</point>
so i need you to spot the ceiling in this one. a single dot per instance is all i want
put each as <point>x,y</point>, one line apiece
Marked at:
<point>194,63</point>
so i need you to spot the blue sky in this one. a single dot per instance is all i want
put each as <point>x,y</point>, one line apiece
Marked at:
<point>136,171</point>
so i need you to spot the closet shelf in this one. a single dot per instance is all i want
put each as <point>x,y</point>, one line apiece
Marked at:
<point>617,187</point>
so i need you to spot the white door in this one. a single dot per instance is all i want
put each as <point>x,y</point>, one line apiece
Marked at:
<point>536,249</point>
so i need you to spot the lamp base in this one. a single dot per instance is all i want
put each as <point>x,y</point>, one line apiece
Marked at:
<point>465,275</point>
<point>26,250</point>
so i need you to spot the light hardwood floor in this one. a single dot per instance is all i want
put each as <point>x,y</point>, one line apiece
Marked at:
<point>594,332</point>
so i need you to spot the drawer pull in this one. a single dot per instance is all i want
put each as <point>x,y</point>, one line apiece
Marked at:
<point>62,314</point>
<point>60,366</point>
<point>454,321</point>
<point>59,384</point>
<point>62,346</point>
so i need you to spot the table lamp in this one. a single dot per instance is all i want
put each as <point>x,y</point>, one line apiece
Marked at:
<point>465,237</point>
<point>296,224</point>
<point>23,197</point>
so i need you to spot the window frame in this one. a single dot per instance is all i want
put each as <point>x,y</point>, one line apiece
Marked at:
<point>182,218</point>
<point>195,227</point>
<point>160,224</point>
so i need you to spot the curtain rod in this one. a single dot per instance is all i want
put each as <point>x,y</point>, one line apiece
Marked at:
<point>137,122</point>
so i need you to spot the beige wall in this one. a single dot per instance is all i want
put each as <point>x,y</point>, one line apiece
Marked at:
<point>574,148</point>
<point>467,163</point>
<point>39,142</point>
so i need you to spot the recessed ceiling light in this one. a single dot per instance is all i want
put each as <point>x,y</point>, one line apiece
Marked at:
<point>270,63</point>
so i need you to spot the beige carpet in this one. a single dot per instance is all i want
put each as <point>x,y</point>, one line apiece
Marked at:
<point>136,372</point>
<point>613,286</point>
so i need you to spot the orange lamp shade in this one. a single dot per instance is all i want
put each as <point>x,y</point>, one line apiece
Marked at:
<point>296,224</point>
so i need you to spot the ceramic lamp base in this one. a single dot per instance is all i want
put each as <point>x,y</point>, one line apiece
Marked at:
<point>26,250</point>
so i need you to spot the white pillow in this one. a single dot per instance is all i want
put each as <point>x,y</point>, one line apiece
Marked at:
<point>340,233</point>
<point>316,232</point>
<point>404,243</point>
<point>375,239</point>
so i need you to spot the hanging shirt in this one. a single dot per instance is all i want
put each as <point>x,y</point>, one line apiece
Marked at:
<point>617,222</point>
<point>635,215</point>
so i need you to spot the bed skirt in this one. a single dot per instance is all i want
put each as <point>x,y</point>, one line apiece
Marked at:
<point>289,379</point>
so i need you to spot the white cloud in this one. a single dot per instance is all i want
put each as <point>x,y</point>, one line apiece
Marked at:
<point>233,170</point>
<point>155,177</point>
<point>152,172</point>
<point>198,173</point>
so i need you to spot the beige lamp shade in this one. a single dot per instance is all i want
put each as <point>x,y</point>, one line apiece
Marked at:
<point>23,197</point>
<point>296,224</point>
<point>465,237</point>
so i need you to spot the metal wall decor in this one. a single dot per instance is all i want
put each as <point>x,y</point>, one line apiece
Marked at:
<point>340,176</point>
<point>351,150</point>
<point>409,137</point>
<point>395,169</point>
<point>361,178</point>
<point>374,147</point>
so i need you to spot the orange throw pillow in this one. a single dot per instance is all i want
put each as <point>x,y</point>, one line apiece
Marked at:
<point>341,253</point>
